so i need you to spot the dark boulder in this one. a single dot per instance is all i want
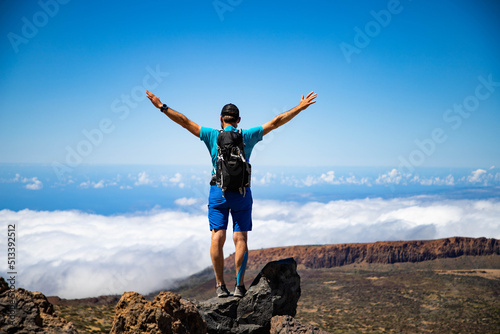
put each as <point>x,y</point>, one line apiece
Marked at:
<point>275,291</point>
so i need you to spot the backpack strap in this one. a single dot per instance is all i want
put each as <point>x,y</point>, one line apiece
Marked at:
<point>241,133</point>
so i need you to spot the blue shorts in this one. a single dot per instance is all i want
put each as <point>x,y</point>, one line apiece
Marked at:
<point>239,205</point>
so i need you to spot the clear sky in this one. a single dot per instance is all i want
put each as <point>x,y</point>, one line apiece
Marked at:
<point>413,81</point>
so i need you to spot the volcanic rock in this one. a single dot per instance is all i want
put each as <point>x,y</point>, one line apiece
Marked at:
<point>285,324</point>
<point>167,313</point>
<point>275,291</point>
<point>25,312</point>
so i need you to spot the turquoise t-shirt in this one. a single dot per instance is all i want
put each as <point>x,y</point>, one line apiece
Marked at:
<point>250,137</point>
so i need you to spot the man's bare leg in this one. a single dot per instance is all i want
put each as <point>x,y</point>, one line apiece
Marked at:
<point>240,242</point>
<point>217,254</point>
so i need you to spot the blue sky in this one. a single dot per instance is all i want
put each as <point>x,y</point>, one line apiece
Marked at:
<point>84,64</point>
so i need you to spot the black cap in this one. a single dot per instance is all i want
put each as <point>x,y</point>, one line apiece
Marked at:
<point>230,110</point>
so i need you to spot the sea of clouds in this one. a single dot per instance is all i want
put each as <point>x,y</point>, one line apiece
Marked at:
<point>74,254</point>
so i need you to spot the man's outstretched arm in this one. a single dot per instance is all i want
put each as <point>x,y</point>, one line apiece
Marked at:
<point>288,115</point>
<point>175,116</point>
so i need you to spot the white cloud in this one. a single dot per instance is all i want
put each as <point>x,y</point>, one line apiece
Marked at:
<point>92,184</point>
<point>393,177</point>
<point>450,180</point>
<point>266,179</point>
<point>96,185</point>
<point>483,177</point>
<point>85,184</point>
<point>143,179</point>
<point>99,184</point>
<point>184,201</point>
<point>477,176</point>
<point>177,180</point>
<point>328,178</point>
<point>74,254</point>
<point>32,184</point>
<point>434,181</point>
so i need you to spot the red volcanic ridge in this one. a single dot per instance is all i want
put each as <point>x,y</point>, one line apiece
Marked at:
<point>383,252</point>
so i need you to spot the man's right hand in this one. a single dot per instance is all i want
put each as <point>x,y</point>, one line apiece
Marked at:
<point>154,99</point>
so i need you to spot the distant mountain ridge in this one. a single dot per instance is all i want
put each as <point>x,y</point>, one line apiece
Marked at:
<point>382,252</point>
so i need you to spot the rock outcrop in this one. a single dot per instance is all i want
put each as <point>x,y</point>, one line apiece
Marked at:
<point>25,312</point>
<point>167,313</point>
<point>275,291</point>
<point>386,252</point>
<point>285,324</point>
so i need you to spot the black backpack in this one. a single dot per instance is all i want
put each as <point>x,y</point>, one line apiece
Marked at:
<point>233,171</point>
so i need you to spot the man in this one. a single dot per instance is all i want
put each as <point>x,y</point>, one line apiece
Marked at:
<point>238,204</point>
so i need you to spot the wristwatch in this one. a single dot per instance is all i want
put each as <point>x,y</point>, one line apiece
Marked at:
<point>163,108</point>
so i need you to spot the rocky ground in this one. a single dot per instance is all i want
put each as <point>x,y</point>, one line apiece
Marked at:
<point>412,298</point>
<point>93,319</point>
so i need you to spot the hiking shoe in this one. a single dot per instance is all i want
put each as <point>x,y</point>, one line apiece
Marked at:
<point>222,291</point>
<point>239,291</point>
